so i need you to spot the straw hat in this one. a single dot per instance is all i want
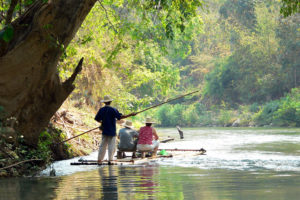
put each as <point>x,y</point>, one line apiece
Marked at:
<point>106,99</point>
<point>128,124</point>
<point>149,121</point>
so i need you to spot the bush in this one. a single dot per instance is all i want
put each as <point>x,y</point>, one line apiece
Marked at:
<point>254,107</point>
<point>265,115</point>
<point>288,113</point>
<point>226,118</point>
<point>164,115</point>
<point>190,116</point>
<point>177,115</point>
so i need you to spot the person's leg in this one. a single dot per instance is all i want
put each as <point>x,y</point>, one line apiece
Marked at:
<point>155,147</point>
<point>143,154</point>
<point>111,148</point>
<point>102,148</point>
<point>134,154</point>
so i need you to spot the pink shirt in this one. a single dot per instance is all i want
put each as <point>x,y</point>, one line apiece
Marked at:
<point>145,135</point>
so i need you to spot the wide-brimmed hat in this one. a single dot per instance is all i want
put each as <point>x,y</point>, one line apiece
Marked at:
<point>106,99</point>
<point>149,121</point>
<point>128,124</point>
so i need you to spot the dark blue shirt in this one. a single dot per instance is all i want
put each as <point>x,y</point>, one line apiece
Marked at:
<point>107,115</point>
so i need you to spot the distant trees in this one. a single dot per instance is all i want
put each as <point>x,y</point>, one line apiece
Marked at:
<point>246,54</point>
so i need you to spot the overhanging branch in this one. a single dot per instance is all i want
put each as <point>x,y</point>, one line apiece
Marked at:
<point>106,14</point>
<point>10,11</point>
<point>69,82</point>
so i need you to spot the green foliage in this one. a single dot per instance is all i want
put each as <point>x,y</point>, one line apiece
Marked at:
<point>290,7</point>
<point>283,112</point>
<point>254,107</point>
<point>172,115</point>
<point>288,113</point>
<point>240,11</point>
<point>225,118</point>
<point>43,149</point>
<point>262,63</point>
<point>164,115</point>
<point>265,114</point>
<point>7,33</point>
<point>190,116</point>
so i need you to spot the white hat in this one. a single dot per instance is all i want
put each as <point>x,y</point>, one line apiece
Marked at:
<point>106,99</point>
<point>128,124</point>
<point>149,121</point>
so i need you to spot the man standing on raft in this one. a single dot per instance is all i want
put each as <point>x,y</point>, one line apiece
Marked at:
<point>108,117</point>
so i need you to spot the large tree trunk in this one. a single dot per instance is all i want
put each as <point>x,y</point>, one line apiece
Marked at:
<point>30,88</point>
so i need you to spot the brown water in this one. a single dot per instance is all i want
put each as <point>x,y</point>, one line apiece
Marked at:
<point>240,164</point>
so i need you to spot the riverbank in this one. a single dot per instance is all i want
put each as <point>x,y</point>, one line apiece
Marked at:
<point>19,159</point>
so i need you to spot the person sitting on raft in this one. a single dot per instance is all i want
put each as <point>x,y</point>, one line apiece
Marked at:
<point>148,138</point>
<point>128,139</point>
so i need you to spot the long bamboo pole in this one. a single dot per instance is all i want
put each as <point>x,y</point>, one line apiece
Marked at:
<point>77,135</point>
<point>202,150</point>
<point>167,101</point>
<point>135,114</point>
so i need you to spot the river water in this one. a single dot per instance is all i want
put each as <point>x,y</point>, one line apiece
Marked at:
<point>241,163</point>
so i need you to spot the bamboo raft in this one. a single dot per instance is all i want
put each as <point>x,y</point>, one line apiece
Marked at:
<point>137,161</point>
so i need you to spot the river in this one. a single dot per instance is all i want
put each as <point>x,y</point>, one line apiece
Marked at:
<point>241,163</point>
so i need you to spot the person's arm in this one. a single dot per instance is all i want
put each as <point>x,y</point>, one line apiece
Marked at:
<point>129,115</point>
<point>120,116</point>
<point>98,116</point>
<point>155,134</point>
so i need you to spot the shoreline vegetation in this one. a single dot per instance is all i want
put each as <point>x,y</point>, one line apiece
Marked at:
<point>284,112</point>
<point>19,159</point>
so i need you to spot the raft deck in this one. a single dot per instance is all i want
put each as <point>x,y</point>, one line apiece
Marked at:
<point>137,161</point>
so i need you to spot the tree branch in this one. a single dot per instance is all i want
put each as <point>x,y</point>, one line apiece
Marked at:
<point>106,14</point>
<point>10,11</point>
<point>70,80</point>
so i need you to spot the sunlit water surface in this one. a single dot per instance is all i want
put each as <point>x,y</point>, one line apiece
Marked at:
<point>240,164</point>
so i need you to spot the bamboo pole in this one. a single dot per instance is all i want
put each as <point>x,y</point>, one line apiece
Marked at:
<point>134,113</point>
<point>167,101</point>
<point>77,135</point>
<point>183,149</point>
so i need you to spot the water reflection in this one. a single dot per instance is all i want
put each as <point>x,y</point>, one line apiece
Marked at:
<point>147,183</point>
<point>109,182</point>
<point>156,182</point>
